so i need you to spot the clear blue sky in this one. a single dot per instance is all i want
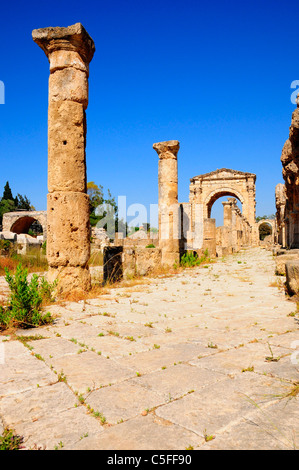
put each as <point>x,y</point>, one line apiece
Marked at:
<point>214,75</point>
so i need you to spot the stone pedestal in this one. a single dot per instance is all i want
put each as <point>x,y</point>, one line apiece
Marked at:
<point>69,51</point>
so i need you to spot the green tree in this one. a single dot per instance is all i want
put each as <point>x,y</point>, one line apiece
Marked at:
<point>263,217</point>
<point>7,194</point>
<point>6,206</point>
<point>22,203</point>
<point>9,204</point>
<point>104,207</point>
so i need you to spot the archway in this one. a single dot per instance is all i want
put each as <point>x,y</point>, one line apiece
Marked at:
<point>207,188</point>
<point>22,221</point>
<point>266,231</point>
<point>27,224</point>
<point>220,193</point>
<point>217,209</point>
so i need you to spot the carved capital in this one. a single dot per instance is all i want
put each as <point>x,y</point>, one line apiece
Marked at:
<point>167,149</point>
<point>72,39</point>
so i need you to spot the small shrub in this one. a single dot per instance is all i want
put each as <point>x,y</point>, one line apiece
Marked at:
<point>26,299</point>
<point>150,246</point>
<point>191,258</point>
<point>5,247</point>
<point>10,441</point>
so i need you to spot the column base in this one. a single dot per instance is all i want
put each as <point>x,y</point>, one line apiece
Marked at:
<point>70,279</point>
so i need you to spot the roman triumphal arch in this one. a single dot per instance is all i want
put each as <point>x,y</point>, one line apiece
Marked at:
<point>205,189</point>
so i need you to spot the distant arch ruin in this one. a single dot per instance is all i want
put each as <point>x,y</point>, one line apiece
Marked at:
<point>207,188</point>
<point>20,221</point>
<point>271,237</point>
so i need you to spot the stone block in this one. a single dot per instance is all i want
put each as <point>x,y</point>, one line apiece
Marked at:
<point>68,229</point>
<point>281,261</point>
<point>70,278</point>
<point>292,276</point>
<point>69,84</point>
<point>11,236</point>
<point>66,153</point>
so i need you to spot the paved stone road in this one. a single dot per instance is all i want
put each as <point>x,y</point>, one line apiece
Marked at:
<point>205,359</point>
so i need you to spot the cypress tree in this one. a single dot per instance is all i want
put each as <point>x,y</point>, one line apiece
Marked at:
<point>7,194</point>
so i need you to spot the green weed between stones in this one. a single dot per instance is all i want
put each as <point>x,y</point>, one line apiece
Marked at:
<point>10,441</point>
<point>24,309</point>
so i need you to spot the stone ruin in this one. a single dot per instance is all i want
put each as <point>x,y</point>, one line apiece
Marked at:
<point>188,226</point>
<point>182,226</point>
<point>69,51</point>
<point>15,227</point>
<point>287,208</point>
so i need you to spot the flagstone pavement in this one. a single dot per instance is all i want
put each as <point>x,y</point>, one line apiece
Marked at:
<point>204,359</point>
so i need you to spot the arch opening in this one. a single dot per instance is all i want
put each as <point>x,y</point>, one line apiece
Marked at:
<point>217,209</point>
<point>222,194</point>
<point>28,225</point>
<point>265,229</point>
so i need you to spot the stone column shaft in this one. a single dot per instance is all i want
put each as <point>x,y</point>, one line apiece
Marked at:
<point>69,51</point>
<point>169,210</point>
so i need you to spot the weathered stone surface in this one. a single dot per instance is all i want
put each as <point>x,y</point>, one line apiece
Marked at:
<point>144,432</point>
<point>140,261</point>
<point>21,372</point>
<point>274,428</point>
<point>281,261</point>
<point>169,209</point>
<point>233,398</point>
<point>292,276</point>
<point>290,173</point>
<point>66,154</point>
<point>69,51</point>
<point>68,229</point>
<point>70,278</point>
<point>189,336</point>
<point>69,84</point>
<point>71,38</point>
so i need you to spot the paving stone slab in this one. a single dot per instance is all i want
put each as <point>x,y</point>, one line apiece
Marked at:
<point>216,406</point>
<point>178,380</point>
<point>272,428</point>
<point>145,432</point>
<point>89,371</point>
<point>123,401</point>
<point>155,359</point>
<point>22,371</point>
<point>255,355</point>
<point>63,430</point>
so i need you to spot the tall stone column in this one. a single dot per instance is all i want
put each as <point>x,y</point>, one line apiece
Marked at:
<point>69,51</point>
<point>169,210</point>
<point>227,225</point>
<point>209,236</point>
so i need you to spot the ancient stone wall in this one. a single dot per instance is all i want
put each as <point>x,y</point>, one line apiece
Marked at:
<point>280,202</point>
<point>290,172</point>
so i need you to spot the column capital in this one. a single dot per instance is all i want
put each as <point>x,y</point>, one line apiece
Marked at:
<point>167,149</point>
<point>72,38</point>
